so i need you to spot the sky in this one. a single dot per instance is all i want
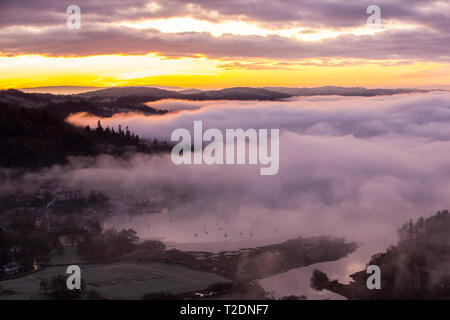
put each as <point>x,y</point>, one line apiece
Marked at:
<point>224,43</point>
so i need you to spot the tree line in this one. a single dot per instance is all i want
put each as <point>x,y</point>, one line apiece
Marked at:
<point>35,138</point>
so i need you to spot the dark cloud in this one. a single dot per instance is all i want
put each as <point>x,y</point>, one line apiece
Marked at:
<point>331,13</point>
<point>99,34</point>
<point>402,45</point>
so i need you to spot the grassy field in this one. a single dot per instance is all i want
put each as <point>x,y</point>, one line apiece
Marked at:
<point>120,280</point>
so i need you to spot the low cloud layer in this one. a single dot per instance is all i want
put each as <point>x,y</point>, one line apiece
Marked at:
<point>354,167</point>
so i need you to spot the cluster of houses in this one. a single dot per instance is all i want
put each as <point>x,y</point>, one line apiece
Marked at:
<point>42,220</point>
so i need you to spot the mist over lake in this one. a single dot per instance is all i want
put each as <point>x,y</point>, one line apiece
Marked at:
<point>351,167</point>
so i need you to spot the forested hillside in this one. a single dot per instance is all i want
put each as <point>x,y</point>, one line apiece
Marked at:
<point>416,268</point>
<point>34,138</point>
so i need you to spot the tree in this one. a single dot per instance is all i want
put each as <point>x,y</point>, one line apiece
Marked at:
<point>107,245</point>
<point>442,288</point>
<point>319,280</point>
<point>417,267</point>
<point>99,126</point>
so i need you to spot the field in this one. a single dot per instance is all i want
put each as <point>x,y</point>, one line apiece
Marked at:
<point>119,280</point>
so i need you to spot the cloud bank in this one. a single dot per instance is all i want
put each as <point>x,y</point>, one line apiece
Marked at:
<point>29,27</point>
<point>353,167</point>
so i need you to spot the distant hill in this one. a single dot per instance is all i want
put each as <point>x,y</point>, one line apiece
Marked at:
<point>63,105</point>
<point>238,93</point>
<point>60,89</point>
<point>25,100</point>
<point>109,101</point>
<point>83,89</point>
<point>149,94</point>
<point>144,94</point>
<point>190,91</point>
<point>341,91</point>
<point>132,91</point>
